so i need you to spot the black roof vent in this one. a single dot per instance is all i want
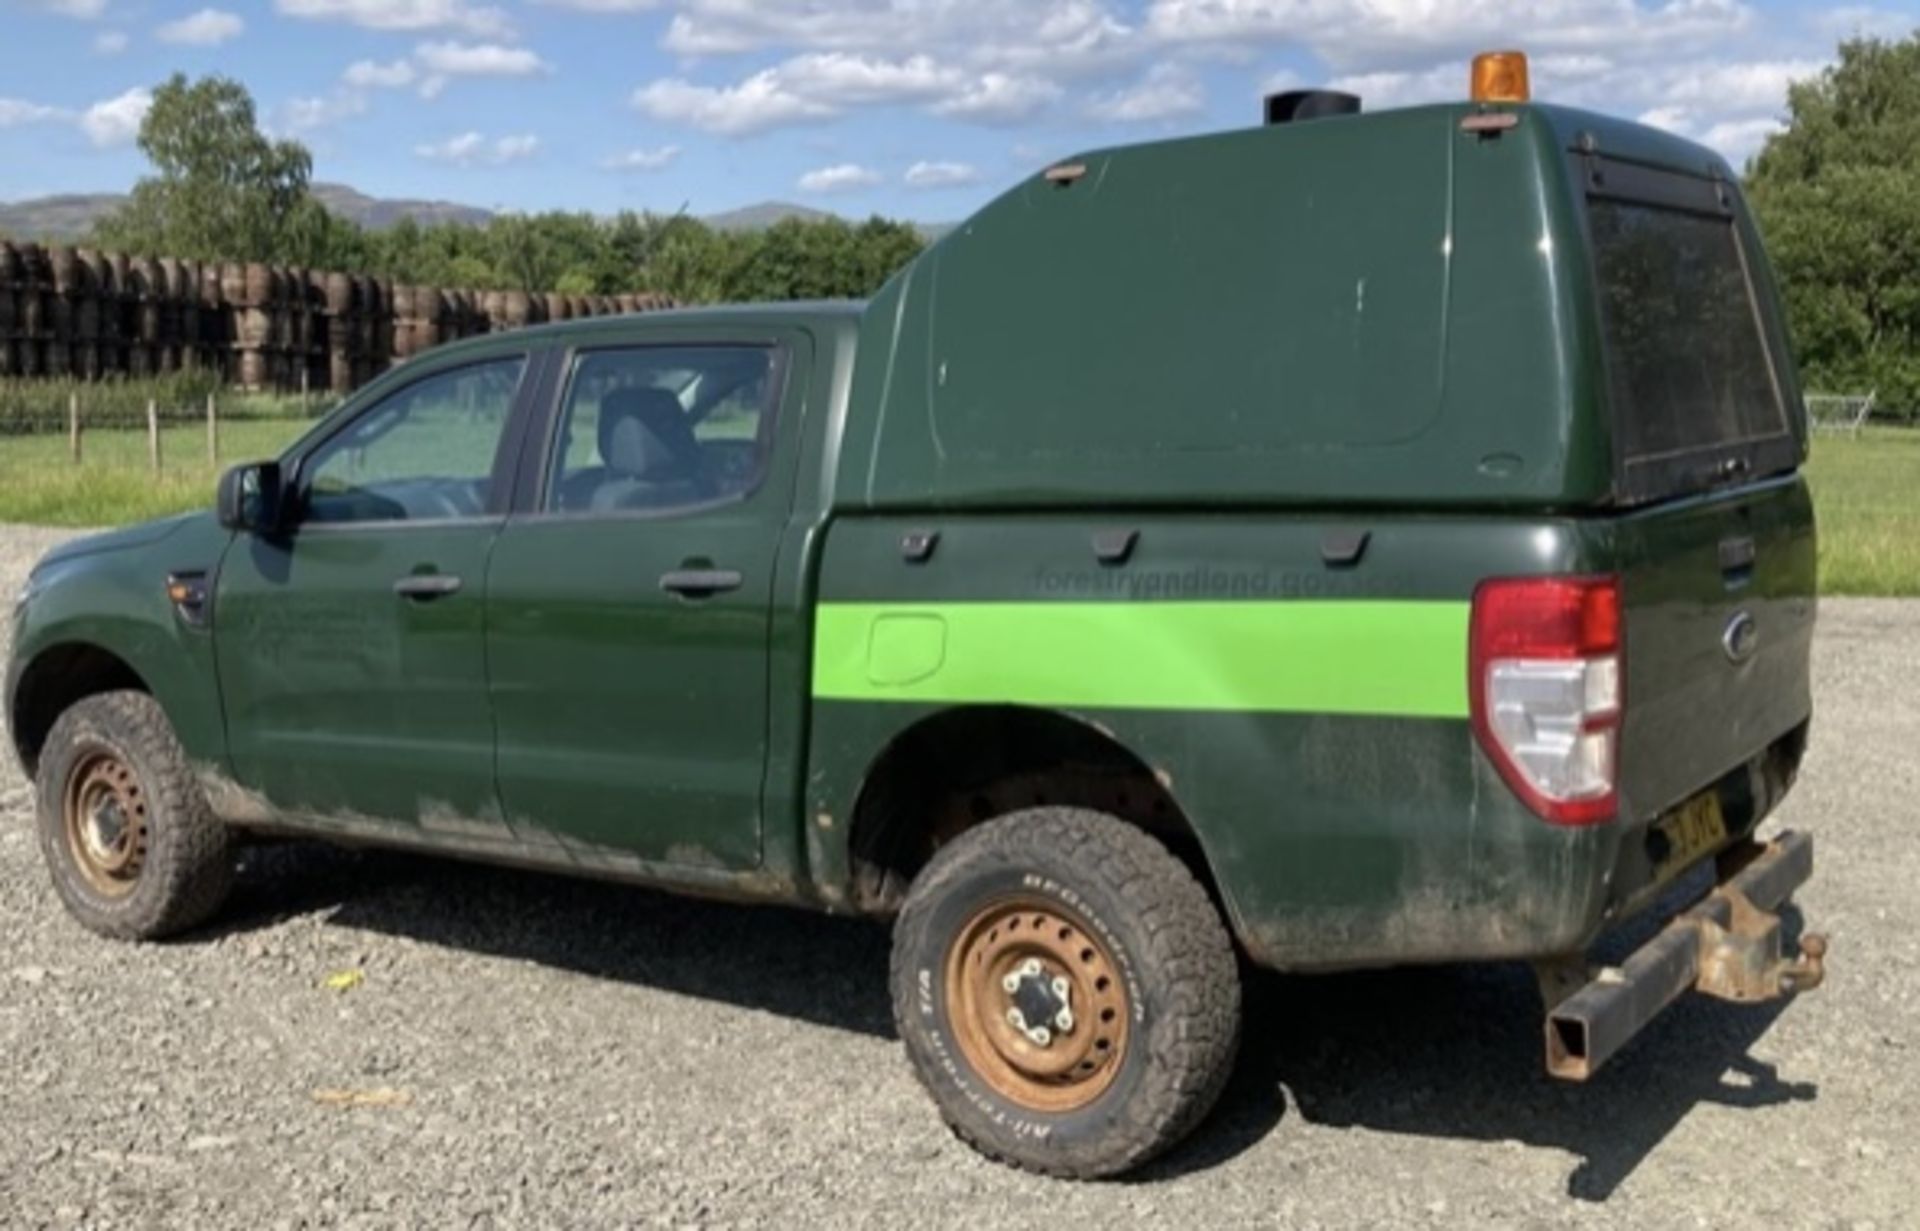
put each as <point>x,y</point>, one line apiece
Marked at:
<point>1293,106</point>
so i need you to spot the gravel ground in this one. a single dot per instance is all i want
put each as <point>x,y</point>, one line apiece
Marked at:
<point>579,1054</point>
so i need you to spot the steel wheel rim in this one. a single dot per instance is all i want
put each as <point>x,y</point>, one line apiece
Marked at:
<point>1076,1065</point>
<point>104,819</point>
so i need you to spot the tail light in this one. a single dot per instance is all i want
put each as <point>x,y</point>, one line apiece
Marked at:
<point>1546,691</point>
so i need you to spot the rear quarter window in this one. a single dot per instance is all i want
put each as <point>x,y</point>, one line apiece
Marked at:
<point>1687,359</point>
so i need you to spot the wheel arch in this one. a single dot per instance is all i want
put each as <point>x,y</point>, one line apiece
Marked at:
<point>961,766</point>
<point>56,678</point>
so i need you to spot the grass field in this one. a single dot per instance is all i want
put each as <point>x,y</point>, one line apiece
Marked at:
<point>1866,494</point>
<point>112,485</point>
<point>1866,490</point>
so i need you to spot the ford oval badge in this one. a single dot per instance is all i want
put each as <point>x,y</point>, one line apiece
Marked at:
<point>1741,638</point>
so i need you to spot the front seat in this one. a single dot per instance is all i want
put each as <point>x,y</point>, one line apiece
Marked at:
<point>651,457</point>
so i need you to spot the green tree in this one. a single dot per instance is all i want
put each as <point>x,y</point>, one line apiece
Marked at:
<point>1838,195</point>
<point>221,189</point>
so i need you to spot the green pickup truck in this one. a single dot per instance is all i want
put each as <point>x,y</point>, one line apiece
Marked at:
<point>1351,541</point>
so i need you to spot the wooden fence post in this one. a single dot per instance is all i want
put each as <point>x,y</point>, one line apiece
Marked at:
<point>153,435</point>
<point>213,432</point>
<point>73,424</point>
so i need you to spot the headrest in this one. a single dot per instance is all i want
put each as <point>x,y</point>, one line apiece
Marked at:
<point>644,434</point>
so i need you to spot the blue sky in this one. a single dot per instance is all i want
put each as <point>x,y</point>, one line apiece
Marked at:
<point>917,108</point>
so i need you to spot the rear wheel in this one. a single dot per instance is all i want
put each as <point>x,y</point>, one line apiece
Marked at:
<point>133,849</point>
<point>1066,991</point>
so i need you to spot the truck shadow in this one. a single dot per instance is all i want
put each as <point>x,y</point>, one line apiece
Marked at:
<point>1447,1052</point>
<point>826,971</point>
<point>1455,1052</point>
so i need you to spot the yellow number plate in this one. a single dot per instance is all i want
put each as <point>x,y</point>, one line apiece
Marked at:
<point>1691,830</point>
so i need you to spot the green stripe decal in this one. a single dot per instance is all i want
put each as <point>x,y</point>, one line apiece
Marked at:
<point>1402,659</point>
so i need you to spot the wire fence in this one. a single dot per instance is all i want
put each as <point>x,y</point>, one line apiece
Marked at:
<point>187,419</point>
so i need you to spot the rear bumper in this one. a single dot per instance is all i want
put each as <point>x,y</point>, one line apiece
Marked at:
<point>1727,945</point>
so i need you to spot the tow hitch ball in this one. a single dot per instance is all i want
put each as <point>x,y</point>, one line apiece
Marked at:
<point>1741,960</point>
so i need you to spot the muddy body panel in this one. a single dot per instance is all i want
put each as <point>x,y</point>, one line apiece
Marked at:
<point>1310,718</point>
<point>107,595</point>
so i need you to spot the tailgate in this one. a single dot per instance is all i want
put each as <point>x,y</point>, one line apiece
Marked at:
<point>1719,608</point>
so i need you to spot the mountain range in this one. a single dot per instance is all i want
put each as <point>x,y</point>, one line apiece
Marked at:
<point>68,217</point>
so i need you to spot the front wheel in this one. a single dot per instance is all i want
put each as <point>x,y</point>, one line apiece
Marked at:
<point>1066,991</point>
<point>134,851</point>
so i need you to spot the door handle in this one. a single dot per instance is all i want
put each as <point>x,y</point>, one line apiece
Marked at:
<point>426,586</point>
<point>701,582</point>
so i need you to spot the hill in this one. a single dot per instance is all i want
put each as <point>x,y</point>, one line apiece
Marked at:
<point>67,218</point>
<point>760,217</point>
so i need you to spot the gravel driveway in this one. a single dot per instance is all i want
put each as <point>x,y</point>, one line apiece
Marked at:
<point>560,1053</point>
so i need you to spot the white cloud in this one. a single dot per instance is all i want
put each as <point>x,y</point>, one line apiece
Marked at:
<point>999,98</point>
<point>940,175</point>
<point>16,111</point>
<point>470,149</point>
<point>850,80</point>
<point>205,28</point>
<point>110,42</point>
<point>304,115</point>
<point>1063,35</point>
<point>442,62</point>
<point>1740,140</point>
<point>845,177</point>
<point>1405,88</point>
<point>1371,35</point>
<point>642,160</point>
<point>513,149</point>
<point>1168,91</point>
<point>83,10</point>
<point>603,6</point>
<point>116,121</point>
<point>819,86</point>
<point>756,104</point>
<point>407,15</point>
<point>371,75</point>
<point>479,60</point>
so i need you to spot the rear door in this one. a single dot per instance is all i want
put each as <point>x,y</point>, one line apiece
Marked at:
<point>1716,546</point>
<point>629,609</point>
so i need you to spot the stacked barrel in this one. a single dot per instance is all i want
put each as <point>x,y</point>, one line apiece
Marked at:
<point>76,312</point>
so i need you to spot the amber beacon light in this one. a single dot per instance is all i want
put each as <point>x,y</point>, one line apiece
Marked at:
<point>1500,77</point>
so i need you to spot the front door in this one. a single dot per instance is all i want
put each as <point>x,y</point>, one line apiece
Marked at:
<point>351,646</point>
<point>628,610</point>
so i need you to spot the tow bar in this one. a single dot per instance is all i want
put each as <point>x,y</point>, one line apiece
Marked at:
<point>1727,945</point>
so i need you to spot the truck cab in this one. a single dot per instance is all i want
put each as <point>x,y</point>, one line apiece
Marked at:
<point>1364,539</point>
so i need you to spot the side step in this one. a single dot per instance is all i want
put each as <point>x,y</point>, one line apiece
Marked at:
<point>1727,945</point>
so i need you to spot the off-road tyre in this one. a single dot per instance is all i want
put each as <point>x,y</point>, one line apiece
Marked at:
<point>1153,926</point>
<point>176,866</point>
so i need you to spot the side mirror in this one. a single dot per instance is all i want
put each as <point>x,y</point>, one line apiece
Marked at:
<point>249,498</point>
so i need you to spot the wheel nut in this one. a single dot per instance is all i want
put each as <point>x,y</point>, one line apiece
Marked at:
<point>1040,1035</point>
<point>1063,1021</point>
<point>1017,1019</point>
<point>1011,983</point>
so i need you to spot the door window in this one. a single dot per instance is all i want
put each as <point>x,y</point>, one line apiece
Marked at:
<point>663,427</point>
<point>426,453</point>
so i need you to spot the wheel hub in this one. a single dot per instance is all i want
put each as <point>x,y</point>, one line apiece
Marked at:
<point>1037,1004</point>
<point>1042,1002</point>
<point>105,815</point>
